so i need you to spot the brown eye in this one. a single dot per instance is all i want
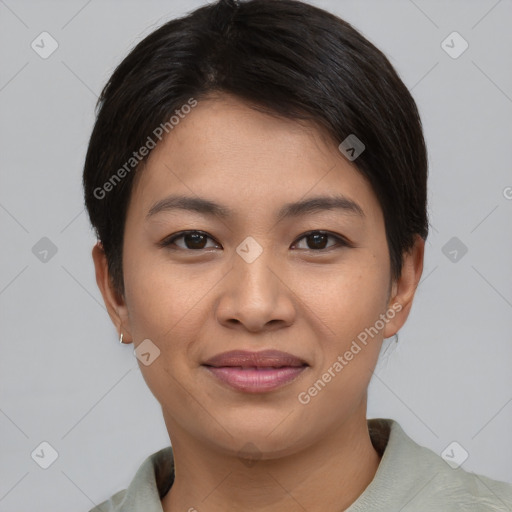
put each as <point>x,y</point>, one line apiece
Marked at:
<point>192,240</point>
<point>197,240</point>
<point>317,240</point>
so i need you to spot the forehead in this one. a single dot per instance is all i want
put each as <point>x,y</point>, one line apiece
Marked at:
<point>248,159</point>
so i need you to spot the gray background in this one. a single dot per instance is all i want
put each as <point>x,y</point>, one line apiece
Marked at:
<point>65,379</point>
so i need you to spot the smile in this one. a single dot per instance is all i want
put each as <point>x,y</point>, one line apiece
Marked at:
<point>255,372</point>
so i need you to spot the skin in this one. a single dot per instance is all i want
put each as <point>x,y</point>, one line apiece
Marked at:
<point>308,301</point>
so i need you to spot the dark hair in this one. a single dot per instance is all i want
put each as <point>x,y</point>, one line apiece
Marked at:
<point>282,56</point>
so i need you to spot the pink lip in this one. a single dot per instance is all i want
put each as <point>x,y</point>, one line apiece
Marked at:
<point>255,372</point>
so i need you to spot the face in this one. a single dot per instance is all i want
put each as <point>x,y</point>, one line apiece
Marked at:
<point>255,274</point>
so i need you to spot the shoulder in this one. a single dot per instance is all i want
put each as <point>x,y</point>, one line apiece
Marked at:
<point>151,481</point>
<point>113,504</point>
<point>415,478</point>
<point>458,488</point>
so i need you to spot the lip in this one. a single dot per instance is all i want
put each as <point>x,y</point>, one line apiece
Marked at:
<point>255,372</point>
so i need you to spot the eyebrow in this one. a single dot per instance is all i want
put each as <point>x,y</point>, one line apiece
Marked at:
<point>289,210</point>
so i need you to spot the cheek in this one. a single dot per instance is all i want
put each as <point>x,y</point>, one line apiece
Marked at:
<point>161,297</point>
<point>161,308</point>
<point>350,304</point>
<point>348,298</point>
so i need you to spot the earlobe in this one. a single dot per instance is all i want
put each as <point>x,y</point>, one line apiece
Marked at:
<point>114,302</point>
<point>404,288</point>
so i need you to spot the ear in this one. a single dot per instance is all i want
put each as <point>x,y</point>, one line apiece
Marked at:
<point>115,303</point>
<point>404,288</point>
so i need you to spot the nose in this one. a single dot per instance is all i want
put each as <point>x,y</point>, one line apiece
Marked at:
<point>255,296</point>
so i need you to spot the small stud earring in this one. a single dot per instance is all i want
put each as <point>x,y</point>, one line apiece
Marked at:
<point>121,338</point>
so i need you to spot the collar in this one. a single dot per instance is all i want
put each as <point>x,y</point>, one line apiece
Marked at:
<point>408,475</point>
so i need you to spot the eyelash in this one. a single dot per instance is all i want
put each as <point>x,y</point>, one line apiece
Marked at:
<point>341,242</point>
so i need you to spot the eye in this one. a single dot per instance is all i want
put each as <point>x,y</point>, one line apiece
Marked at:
<point>196,240</point>
<point>316,240</point>
<point>193,240</point>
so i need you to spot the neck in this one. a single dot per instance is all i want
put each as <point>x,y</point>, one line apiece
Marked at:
<point>329,475</point>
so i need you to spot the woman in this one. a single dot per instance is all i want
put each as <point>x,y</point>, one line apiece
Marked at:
<point>257,181</point>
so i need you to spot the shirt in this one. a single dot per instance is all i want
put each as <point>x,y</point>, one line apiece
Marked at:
<point>409,478</point>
